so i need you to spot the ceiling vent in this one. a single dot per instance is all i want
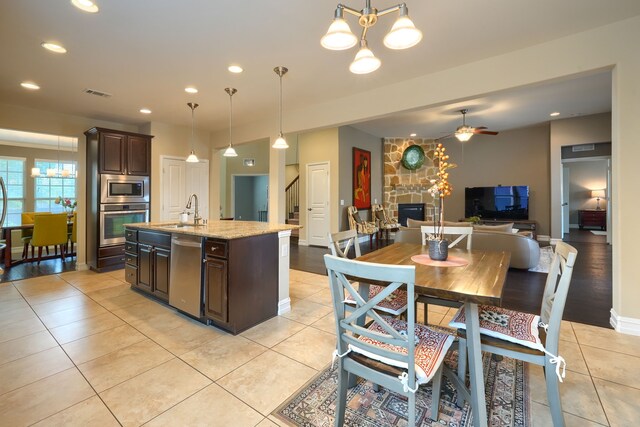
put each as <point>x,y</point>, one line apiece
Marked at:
<point>97,93</point>
<point>583,147</point>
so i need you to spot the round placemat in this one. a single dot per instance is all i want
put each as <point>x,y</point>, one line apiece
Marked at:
<point>452,261</point>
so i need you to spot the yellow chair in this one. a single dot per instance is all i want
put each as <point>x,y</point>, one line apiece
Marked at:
<point>73,235</point>
<point>27,218</point>
<point>50,230</point>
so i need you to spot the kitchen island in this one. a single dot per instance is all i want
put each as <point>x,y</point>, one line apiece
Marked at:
<point>231,274</point>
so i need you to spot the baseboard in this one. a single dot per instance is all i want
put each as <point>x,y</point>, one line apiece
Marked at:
<point>554,241</point>
<point>284,306</point>
<point>543,238</point>
<point>82,267</point>
<point>574,225</point>
<point>302,242</point>
<point>624,325</point>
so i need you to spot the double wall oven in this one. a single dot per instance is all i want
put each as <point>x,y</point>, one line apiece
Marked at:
<point>124,199</point>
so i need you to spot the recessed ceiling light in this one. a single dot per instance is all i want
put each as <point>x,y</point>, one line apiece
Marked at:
<point>53,47</point>
<point>413,134</point>
<point>85,5</point>
<point>554,114</point>
<point>190,89</point>
<point>145,111</point>
<point>30,85</point>
<point>235,69</point>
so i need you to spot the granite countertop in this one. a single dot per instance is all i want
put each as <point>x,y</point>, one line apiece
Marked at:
<point>217,229</point>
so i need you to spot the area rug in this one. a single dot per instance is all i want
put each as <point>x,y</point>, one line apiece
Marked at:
<point>546,255</point>
<point>506,386</point>
<point>599,232</point>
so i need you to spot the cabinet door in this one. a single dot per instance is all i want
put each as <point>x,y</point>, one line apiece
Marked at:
<point>216,288</point>
<point>112,153</point>
<point>145,267</point>
<point>161,264</point>
<point>138,156</point>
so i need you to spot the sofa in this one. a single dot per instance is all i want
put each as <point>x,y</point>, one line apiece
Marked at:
<point>525,251</point>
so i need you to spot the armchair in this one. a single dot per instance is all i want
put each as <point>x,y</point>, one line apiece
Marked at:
<point>361,226</point>
<point>383,221</point>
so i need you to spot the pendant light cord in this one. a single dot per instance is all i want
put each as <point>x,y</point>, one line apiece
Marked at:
<point>280,74</point>
<point>230,119</point>
<point>192,125</point>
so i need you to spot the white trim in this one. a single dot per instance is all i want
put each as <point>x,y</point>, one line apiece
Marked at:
<point>554,241</point>
<point>82,267</point>
<point>544,238</point>
<point>302,242</point>
<point>585,159</point>
<point>284,306</point>
<point>284,233</point>
<point>624,325</point>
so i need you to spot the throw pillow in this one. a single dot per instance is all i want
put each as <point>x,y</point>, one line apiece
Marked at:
<point>504,227</point>
<point>457,224</point>
<point>356,217</point>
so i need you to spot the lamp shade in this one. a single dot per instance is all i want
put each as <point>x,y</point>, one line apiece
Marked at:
<point>464,133</point>
<point>230,152</point>
<point>192,158</point>
<point>597,194</point>
<point>365,62</point>
<point>280,143</point>
<point>35,172</point>
<point>403,34</point>
<point>339,36</point>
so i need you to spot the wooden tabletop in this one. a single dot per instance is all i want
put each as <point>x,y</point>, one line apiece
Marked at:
<point>481,281</point>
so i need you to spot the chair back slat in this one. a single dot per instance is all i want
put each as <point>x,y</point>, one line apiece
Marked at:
<point>459,232</point>
<point>556,290</point>
<point>340,271</point>
<point>341,242</point>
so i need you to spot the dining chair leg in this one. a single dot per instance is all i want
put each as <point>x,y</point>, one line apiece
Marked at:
<point>25,250</point>
<point>462,368</point>
<point>553,394</point>
<point>436,384</point>
<point>33,252</point>
<point>341,404</point>
<point>411,416</point>
<point>39,254</point>
<point>47,247</point>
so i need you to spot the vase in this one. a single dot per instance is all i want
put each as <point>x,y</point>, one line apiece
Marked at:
<point>438,250</point>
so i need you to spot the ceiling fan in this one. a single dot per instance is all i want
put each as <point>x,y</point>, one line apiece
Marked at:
<point>465,132</point>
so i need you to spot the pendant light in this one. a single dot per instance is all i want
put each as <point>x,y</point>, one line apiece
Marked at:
<point>192,156</point>
<point>230,151</point>
<point>280,142</point>
<point>365,61</point>
<point>51,172</point>
<point>35,172</point>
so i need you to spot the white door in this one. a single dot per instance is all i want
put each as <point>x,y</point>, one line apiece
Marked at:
<point>318,203</point>
<point>198,184</point>
<point>174,197</point>
<point>565,200</point>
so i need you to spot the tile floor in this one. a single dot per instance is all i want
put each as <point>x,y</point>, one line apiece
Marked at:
<point>80,349</point>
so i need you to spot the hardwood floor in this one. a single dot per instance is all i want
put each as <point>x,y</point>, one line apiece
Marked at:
<point>590,295</point>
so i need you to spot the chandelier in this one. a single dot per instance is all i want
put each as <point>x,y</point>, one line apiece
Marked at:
<point>230,151</point>
<point>192,158</point>
<point>403,34</point>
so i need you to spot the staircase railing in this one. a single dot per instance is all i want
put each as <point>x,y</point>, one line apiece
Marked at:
<point>292,196</point>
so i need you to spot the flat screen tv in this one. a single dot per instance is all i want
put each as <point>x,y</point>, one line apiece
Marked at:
<point>502,202</point>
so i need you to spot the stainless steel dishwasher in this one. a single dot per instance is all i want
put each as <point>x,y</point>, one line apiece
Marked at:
<point>185,283</point>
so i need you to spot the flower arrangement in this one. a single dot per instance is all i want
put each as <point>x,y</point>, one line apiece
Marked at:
<point>440,189</point>
<point>67,204</point>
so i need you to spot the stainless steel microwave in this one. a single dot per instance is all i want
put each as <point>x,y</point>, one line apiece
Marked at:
<point>124,189</point>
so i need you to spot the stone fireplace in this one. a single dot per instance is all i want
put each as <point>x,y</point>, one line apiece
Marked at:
<point>405,186</point>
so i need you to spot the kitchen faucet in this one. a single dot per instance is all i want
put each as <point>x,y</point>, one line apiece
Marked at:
<point>196,215</point>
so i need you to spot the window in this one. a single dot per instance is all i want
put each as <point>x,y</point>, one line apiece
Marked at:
<point>47,189</point>
<point>12,171</point>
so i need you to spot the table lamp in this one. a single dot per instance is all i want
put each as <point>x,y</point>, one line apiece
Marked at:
<point>597,194</point>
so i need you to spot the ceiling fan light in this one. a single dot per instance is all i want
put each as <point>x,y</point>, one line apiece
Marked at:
<point>464,133</point>
<point>365,62</point>
<point>339,35</point>
<point>403,34</point>
<point>192,158</point>
<point>280,143</point>
<point>230,152</point>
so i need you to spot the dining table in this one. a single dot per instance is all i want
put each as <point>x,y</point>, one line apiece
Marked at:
<point>471,277</point>
<point>6,236</point>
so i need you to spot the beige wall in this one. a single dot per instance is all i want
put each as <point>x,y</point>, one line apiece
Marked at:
<point>350,137</point>
<point>174,141</point>
<point>316,147</point>
<point>32,120</point>
<point>515,157</point>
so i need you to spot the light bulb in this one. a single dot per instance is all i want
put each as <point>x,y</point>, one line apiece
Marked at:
<point>280,143</point>
<point>365,62</point>
<point>51,172</point>
<point>85,5</point>
<point>230,152</point>
<point>35,172</point>
<point>339,36</point>
<point>65,172</point>
<point>403,34</point>
<point>464,133</point>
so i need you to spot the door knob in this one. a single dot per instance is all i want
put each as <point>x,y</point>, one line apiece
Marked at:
<point>309,209</point>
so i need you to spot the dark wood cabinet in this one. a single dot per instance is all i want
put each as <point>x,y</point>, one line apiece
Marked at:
<point>153,260</point>
<point>592,218</point>
<point>216,306</point>
<point>123,153</point>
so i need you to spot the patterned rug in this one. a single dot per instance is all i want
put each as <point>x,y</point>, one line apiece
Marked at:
<point>546,255</point>
<point>506,387</point>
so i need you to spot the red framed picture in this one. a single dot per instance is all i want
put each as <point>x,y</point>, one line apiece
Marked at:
<point>361,178</point>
